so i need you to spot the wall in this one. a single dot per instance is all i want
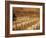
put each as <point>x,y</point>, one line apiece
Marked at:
<point>2,19</point>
